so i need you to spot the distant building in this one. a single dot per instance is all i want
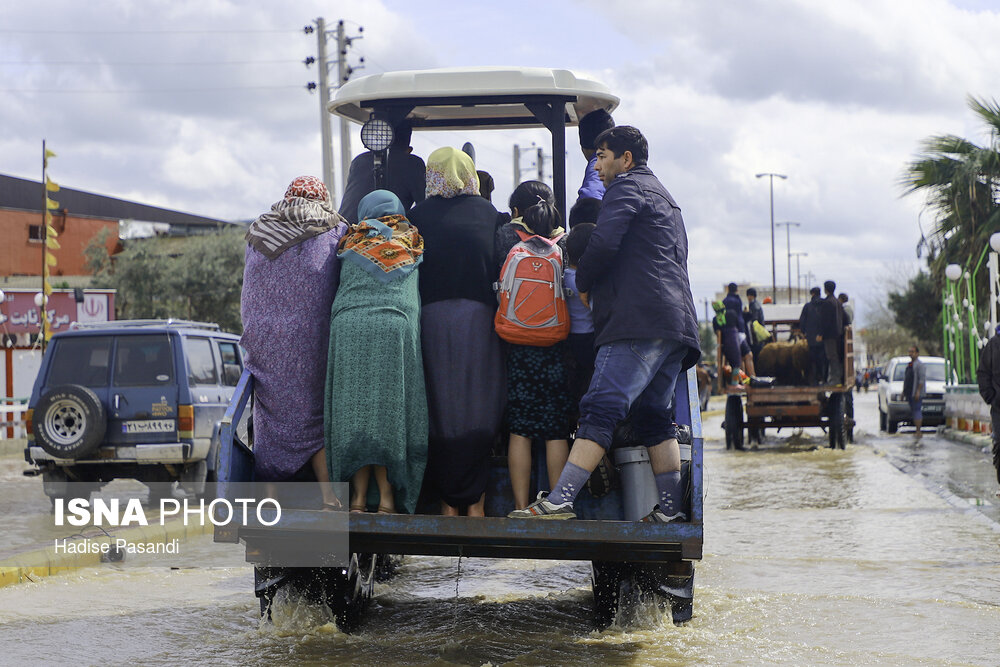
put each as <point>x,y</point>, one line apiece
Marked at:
<point>80,217</point>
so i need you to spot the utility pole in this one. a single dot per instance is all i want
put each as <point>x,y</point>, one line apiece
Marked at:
<point>517,165</point>
<point>541,165</point>
<point>798,272</point>
<point>324,98</point>
<point>344,72</point>
<point>788,249</point>
<point>774,275</point>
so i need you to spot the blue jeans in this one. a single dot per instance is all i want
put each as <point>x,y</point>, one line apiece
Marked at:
<point>637,375</point>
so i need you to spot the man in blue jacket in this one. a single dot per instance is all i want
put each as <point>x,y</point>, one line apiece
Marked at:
<point>635,270</point>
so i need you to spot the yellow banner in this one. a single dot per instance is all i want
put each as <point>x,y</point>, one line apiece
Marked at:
<point>46,287</point>
<point>51,204</point>
<point>49,153</point>
<point>50,259</point>
<point>50,231</point>
<point>51,243</point>
<point>48,218</point>
<point>51,185</point>
<point>45,271</point>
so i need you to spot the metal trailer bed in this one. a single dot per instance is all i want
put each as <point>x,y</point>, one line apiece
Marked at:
<point>826,406</point>
<point>629,558</point>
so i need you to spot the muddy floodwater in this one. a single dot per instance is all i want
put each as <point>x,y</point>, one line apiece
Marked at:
<point>883,554</point>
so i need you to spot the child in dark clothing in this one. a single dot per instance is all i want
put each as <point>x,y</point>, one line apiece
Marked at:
<point>581,333</point>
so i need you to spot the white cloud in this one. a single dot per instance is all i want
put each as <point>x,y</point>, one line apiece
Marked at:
<point>836,95</point>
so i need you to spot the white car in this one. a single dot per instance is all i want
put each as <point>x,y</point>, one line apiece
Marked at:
<point>893,409</point>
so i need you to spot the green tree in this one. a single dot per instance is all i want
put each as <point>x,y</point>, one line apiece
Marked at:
<point>193,278</point>
<point>707,336</point>
<point>961,181</point>
<point>917,309</point>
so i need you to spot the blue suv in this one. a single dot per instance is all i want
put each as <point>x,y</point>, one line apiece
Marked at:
<point>138,399</point>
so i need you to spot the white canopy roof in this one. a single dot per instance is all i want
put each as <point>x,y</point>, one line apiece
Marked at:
<point>479,97</point>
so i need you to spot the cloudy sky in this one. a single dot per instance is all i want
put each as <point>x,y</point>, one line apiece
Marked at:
<point>202,106</point>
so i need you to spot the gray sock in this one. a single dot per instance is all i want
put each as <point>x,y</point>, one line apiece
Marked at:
<point>570,482</point>
<point>668,484</point>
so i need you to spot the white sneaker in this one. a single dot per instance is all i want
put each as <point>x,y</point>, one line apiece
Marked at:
<point>543,509</point>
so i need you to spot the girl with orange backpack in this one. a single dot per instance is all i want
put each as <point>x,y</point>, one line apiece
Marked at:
<point>534,320</point>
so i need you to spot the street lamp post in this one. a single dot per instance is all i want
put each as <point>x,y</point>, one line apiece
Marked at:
<point>788,249</point>
<point>798,273</point>
<point>774,277</point>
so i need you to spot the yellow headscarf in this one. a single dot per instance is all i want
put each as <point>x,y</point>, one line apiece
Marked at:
<point>450,172</point>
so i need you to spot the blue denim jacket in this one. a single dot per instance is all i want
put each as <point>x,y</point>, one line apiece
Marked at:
<point>635,266</point>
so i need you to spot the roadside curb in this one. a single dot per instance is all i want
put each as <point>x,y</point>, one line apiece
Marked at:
<point>966,437</point>
<point>51,563</point>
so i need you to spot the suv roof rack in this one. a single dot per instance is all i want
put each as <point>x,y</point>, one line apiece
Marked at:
<point>115,324</point>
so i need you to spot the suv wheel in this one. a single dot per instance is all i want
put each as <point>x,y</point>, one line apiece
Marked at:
<point>69,421</point>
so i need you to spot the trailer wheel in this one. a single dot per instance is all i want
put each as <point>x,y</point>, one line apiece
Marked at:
<point>606,581</point>
<point>734,422</point>
<point>345,590</point>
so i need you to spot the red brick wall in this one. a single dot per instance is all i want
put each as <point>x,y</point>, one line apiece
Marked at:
<point>19,256</point>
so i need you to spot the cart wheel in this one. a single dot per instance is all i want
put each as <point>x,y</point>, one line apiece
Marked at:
<point>734,422</point>
<point>837,431</point>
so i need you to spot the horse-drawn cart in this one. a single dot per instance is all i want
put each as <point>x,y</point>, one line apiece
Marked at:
<point>786,399</point>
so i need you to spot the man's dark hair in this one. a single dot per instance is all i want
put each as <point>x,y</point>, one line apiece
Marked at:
<point>592,125</point>
<point>916,348</point>
<point>528,194</point>
<point>624,138</point>
<point>584,210</point>
<point>830,286</point>
<point>576,242</point>
<point>486,185</point>
<point>401,134</point>
<point>752,292</point>
<point>733,287</point>
<point>814,291</point>
<point>843,297</point>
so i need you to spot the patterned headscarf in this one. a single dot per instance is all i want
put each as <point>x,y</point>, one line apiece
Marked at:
<point>305,211</point>
<point>384,244</point>
<point>450,172</point>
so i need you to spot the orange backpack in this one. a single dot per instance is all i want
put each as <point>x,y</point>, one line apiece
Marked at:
<point>530,290</point>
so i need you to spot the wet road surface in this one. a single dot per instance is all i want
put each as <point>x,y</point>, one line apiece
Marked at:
<point>884,554</point>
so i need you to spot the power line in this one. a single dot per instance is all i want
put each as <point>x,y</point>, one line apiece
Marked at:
<point>47,31</point>
<point>145,64</point>
<point>141,90</point>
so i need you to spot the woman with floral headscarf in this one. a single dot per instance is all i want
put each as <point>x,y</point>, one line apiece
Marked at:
<point>376,419</point>
<point>463,360</point>
<point>289,282</point>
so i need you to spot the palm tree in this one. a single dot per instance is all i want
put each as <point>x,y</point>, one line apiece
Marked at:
<point>961,181</point>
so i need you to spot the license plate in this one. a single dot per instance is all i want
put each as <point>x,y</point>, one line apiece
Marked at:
<point>149,426</point>
<point>932,408</point>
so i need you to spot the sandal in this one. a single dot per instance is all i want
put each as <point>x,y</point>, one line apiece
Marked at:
<point>358,508</point>
<point>332,506</point>
<point>386,510</point>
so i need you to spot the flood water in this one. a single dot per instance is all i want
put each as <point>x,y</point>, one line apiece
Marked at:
<point>883,554</point>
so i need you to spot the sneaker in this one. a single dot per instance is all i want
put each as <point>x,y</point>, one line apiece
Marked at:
<point>657,516</point>
<point>543,509</point>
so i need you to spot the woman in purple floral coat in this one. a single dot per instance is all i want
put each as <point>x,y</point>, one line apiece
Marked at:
<point>289,282</point>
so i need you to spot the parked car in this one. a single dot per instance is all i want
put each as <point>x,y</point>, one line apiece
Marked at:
<point>893,409</point>
<point>138,399</point>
